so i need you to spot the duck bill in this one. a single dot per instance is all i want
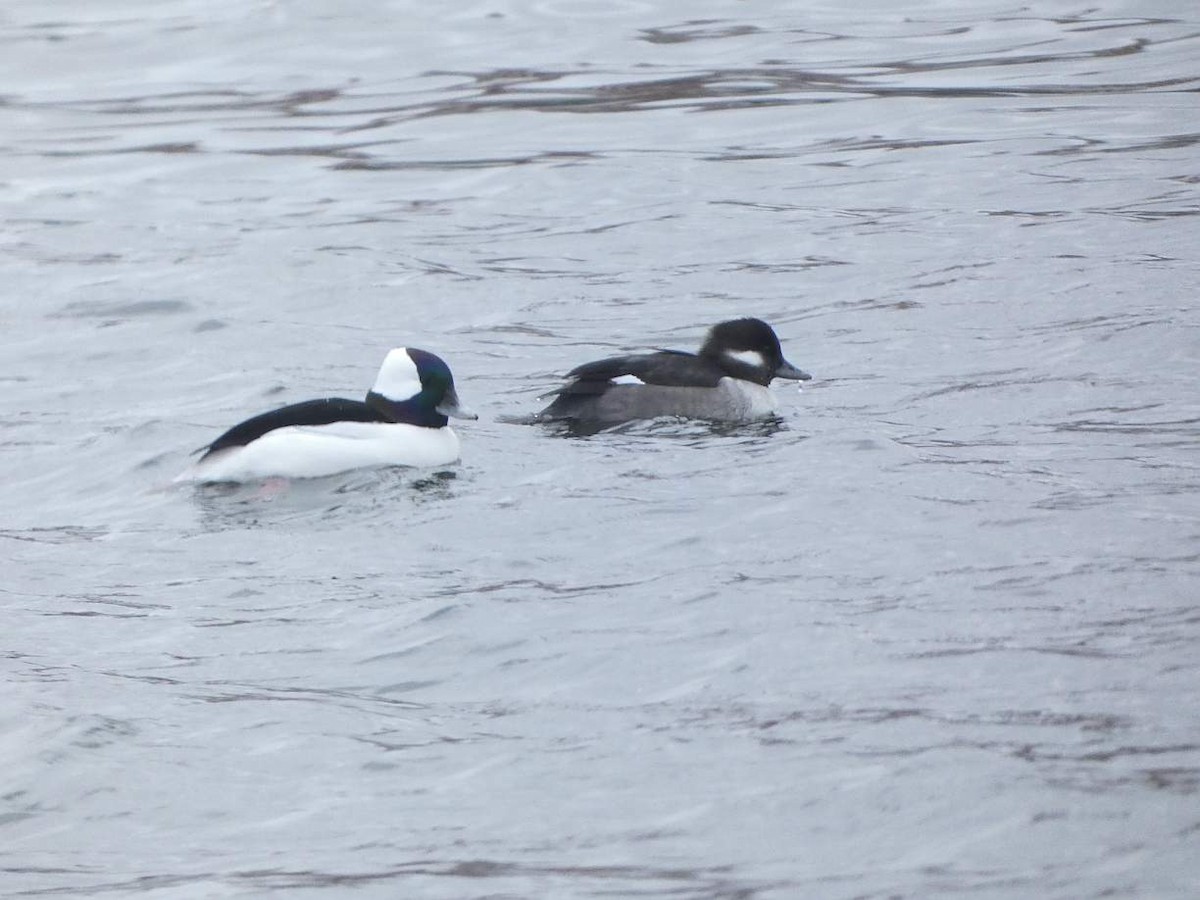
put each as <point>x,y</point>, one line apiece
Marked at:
<point>451,408</point>
<point>787,370</point>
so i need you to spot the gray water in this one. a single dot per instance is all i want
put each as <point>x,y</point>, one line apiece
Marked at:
<point>932,634</point>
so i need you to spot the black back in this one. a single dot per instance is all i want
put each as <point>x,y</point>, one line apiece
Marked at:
<point>310,412</point>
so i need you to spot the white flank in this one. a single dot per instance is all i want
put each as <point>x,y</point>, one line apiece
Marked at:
<point>301,451</point>
<point>626,379</point>
<point>750,357</point>
<point>398,378</point>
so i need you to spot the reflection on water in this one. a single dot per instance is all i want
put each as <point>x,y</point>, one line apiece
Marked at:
<point>930,632</point>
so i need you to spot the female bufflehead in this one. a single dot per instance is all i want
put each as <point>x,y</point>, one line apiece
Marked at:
<point>402,423</point>
<point>726,382</point>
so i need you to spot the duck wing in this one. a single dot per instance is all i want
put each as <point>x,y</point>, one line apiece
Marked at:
<point>667,368</point>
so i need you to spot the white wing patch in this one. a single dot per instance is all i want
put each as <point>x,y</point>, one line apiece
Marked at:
<point>749,357</point>
<point>626,379</point>
<point>398,378</point>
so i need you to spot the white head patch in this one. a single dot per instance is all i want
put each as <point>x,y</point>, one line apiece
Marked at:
<point>749,357</point>
<point>398,378</point>
<point>626,379</point>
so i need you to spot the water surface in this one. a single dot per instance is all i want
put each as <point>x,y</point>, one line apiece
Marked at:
<point>931,634</point>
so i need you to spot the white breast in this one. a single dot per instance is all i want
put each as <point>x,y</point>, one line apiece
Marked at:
<point>314,451</point>
<point>750,400</point>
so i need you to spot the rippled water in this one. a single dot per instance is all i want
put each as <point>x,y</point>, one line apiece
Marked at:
<point>933,634</point>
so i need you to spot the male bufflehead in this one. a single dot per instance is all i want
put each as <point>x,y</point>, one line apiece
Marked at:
<point>726,382</point>
<point>403,422</point>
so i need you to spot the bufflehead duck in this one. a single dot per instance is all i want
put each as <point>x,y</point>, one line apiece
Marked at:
<point>726,382</point>
<point>402,422</point>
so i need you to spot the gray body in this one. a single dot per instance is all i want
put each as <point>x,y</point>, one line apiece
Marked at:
<point>731,400</point>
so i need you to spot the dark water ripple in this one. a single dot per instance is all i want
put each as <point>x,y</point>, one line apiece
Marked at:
<point>930,633</point>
